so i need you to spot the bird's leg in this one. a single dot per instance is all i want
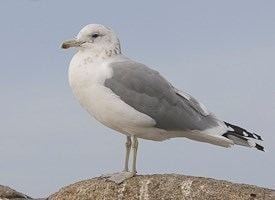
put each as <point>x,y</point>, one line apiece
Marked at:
<point>134,149</point>
<point>128,145</point>
<point>125,174</point>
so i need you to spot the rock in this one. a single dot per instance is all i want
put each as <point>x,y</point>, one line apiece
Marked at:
<point>8,193</point>
<point>168,186</point>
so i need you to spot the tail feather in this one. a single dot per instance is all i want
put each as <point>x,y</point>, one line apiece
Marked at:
<point>242,137</point>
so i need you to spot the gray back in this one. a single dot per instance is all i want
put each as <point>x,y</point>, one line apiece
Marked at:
<point>148,92</point>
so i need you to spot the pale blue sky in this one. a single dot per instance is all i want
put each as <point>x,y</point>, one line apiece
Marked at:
<point>222,52</point>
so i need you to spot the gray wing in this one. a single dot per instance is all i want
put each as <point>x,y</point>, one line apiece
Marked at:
<point>148,92</point>
<point>198,106</point>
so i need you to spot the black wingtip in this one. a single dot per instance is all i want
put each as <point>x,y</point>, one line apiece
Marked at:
<point>258,137</point>
<point>259,147</point>
<point>243,132</point>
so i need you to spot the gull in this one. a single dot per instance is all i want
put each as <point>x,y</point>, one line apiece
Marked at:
<point>137,101</point>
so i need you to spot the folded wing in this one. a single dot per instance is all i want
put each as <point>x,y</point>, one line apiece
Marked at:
<point>148,92</point>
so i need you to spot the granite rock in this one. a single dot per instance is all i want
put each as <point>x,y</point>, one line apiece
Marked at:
<point>163,187</point>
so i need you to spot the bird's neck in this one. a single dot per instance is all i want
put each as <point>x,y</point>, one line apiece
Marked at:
<point>102,53</point>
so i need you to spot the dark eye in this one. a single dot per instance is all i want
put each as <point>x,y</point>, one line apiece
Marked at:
<point>95,35</point>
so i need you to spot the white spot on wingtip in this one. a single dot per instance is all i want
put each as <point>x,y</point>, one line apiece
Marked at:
<point>186,187</point>
<point>230,129</point>
<point>251,143</point>
<point>245,134</point>
<point>143,192</point>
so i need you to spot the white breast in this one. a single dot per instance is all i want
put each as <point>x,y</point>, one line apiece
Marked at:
<point>87,76</point>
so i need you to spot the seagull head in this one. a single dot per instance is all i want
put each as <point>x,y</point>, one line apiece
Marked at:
<point>95,38</point>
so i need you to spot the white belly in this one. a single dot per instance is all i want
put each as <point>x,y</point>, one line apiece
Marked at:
<point>87,82</point>
<point>107,108</point>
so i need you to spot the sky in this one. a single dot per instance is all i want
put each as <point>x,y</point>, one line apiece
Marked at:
<point>221,52</point>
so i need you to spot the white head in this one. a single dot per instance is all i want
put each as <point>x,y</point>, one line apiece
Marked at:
<point>96,39</point>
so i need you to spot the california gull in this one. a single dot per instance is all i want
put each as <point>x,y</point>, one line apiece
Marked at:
<point>137,101</point>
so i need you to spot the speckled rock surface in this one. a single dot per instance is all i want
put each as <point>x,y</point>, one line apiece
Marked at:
<point>8,193</point>
<point>164,187</point>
